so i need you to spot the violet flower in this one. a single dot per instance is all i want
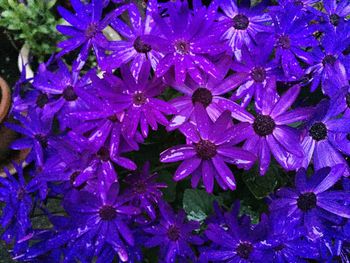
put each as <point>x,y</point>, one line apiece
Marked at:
<point>85,30</point>
<point>173,235</point>
<point>240,26</point>
<point>269,131</point>
<point>185,43</point>
<point>209,148</point>
<point>311,201</point>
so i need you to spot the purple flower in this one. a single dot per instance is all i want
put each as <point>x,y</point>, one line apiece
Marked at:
<point>132,48</point>
<point>138,100</point>
<point>85,30</point>
<point>311,201</point>
<point>325,139</point>
<point>173,235</point>
<point>37,134</point>
<point>269,131</point>
<point>240,26</point>
<point>329,62</point>
<point>291,36</point>
<point>286,243</point>
<point>144,191</point>
<point>210,95</point>
<point>336,12</point>
<point>186,41</point>
<point>100,218</point>
<point>15,216</point>
<point>62,92</point>
<point>235,241</point>
<point>253,71</point>
<point>209,147</point>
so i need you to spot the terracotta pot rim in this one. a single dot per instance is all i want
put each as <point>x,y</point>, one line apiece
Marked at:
<point>5,102</point>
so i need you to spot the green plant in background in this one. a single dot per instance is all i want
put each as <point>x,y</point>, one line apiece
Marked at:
<point>33,22</point>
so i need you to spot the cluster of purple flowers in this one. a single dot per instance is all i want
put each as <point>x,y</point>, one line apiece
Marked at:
<point>264,86</point>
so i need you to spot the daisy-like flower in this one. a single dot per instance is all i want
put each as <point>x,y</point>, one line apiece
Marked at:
<point>209,148</point>
<point>37,133</point>
<point>336,12</point>
<point>173,235</point>
<point>291,36</point>
<point>132,47</point>
<point>62,91</point>
<point>325,139</point>
<point>240,25</point>
<point>238,242</point>
<point>329,62</point>
<point>269,131</point>
<point>15,217</point>
<point>253,71</point>
<point>139,101</point>
<point>185,43</point>
<point>85,30</point>
<point>144,191</point>
<point>210,95</point>
<point>311,202</point>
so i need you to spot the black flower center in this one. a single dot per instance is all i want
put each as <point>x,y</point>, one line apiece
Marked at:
<point>263,125</point>
<point>348,136</point>
<point>139,98</point>
<point>329,60</point>
<point>113,118</point>
<point>298,3</point>
<point>244,249</point>
<point>280,247</point>
<point>334,19</point>
<point>173,233</point>
<point>240,22</point>
<point>103,153</point>
<point>205,149</point>
<point>203,96</point>
<point>307,201</point>
<point>69,94</point>
<point>182,47</point>
<point>258,74</point>
<point>140,46</point>
<point>91,30</point>
<point>108,213</point>
<point>347,99</point>
<point>318,131</point>
<point>41,100</point>
<point>283,41</point>
<point>140,187</point>
<point>42,139</point>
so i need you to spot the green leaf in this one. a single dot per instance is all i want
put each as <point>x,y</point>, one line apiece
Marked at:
<point>50,3</point>
<point>261,186</point>
<point>198,204</point>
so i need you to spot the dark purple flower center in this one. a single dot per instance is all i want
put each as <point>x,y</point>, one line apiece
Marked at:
<point>240,22</point>
<point>205,149</point>
<point>103,154</point>
<point>318,131</point>
<point>41,100</point>
<point>283,41</point>
<point>348,136</point>
<point>69,94</point>
<point>108,213</point>
<point>280,247</point>
<point>139,98</point>
<point>298,3</point>
<point>334,19</point>
<point>244,249</point>
<point>140,46</point>
<point>21,193</point>
<point>307,201</point>
<point>182,47</point>
<point>91,30</point>
<point>42,139</point>
<point>258,74</point>
<point>113,118</point>
<point>263,125</point>
<point>203,96</point>
<point>329,60</point>
<point>140,187</point>
<point>347,99</point>
<point>173,233</point>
